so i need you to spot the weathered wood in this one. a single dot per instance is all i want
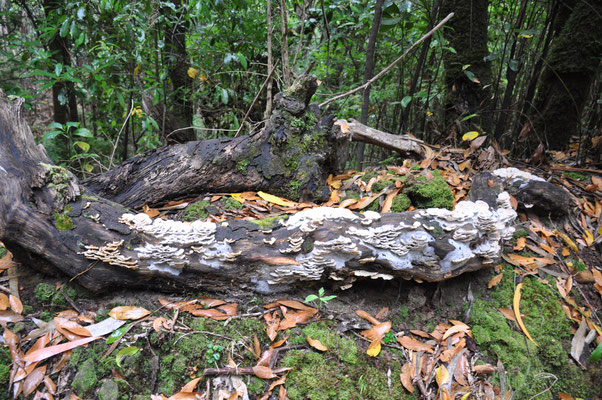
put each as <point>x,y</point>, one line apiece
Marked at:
<point>45,211</point>
<point>403,144</point>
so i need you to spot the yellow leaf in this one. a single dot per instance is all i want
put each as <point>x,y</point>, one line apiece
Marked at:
<point>441,375</point>
<point>567,240</point>
<point>525,36</point>
<point>128,312</point>
<point>519,319</point>
<point>495,280</point>
<point>192,72</point>
<point>136,70</point>
<point>470,135</point>
<point>465,396</point>
<point>565,252</point>
<point>374,348</point>
<point>316,344</point>
<point>275,199</point>
<point>238,197</point>
<point>203,77</point>
<point>589,238</point>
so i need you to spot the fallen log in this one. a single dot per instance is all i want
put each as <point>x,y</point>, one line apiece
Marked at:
<point>46,212</point>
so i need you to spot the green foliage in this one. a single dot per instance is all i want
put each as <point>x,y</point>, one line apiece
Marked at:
<point>242,165</point>
<point>3,251</point>
<point>320,297</point>
<point>196,211</point>
<point>231,204</point>
<point>63,222</point>
<point>401,203</point>
<point>213,353</point>
<point>434,193</point>
<point>44,292</point>
<point>519,233</point>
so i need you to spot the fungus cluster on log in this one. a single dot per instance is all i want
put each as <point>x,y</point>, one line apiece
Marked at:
<point>106,245</point>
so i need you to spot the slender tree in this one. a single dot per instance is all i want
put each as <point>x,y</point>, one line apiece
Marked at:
<point>467,74</point>
<point>566,81</point>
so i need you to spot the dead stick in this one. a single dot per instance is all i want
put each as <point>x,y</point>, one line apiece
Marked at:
<point>238,371</point>
<point>394,63</point>
<point>242,123</point>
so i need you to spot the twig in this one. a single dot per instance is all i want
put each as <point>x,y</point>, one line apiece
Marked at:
<point>238,371</point>
<point>111,165</point>
<point>394,63</point>
<point>242,123</point>
<point>84,271</point>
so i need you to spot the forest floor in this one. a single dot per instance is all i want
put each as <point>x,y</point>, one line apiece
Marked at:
<point>513,331</point>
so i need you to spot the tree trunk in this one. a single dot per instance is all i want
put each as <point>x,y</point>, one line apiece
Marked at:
<point>182,113</point>
<point>565,83</point>
<point>47,213</point>
<point>467,34</point>
<point>368,73</point>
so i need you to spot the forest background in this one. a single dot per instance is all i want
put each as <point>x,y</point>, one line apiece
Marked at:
<point>104,80</point>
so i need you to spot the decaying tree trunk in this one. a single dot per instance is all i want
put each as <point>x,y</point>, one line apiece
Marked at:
<point>81,230</point>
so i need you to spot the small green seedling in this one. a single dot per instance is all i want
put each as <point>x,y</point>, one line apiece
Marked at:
<point>128,351</point>
<point>213,353</point>
<point>389,337</point>
<point>320,297</point>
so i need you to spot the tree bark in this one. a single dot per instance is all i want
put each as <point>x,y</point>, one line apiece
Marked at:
<point>368,73</point>
<point>565,83</point>
<point>467,34</point>
<point>48,213</point>
<point>182,113</point>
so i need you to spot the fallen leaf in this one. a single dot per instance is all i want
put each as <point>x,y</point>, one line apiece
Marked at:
<point>484,369</point>
<point>128,312</point>
<point>15,304</point>
<point>414,345</point>
<point>33,380</point>
<point>316,344</point>
<point>519,319</point>
<point>278,343</point>
<point>48,352</point>
<point>495,280</point>
<point>4,303</point>
<point>520,244</point>
<point>377,332</point>
<point>71,326</point>
<point>406,377</point>
<point>374,348</point>
<point>190,386</point>
<point>455,329</point>
<point>263,372</point>
<point>275,199</point>
<point>10,316</point>
<point>363,314</point>
<point>291,318</point>
<point>508,313</point>
<point>265,358</point>
<point>441,375</point>
<point>382,313</point>
<point>50,385</point>
<point>297,305</point>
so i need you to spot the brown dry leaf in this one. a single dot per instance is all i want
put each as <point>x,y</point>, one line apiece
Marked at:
<point>209,302</point>
<point>151,212</point>
<point>377,332</point>
<point>383,313</point>
<point>71,326</point>
<point>220,313</point>
<point>513,202</point>
<point>455,329</point>
<point>48,352</point>
<point>520,244</point>
<point>495,280</point>
<point>4,303</point>
<point>389,201</point>
<point>186,396</point>
<point>128,312</point>
<point>256,347</point>
<point>68,314</point>
<point>264,372</point>
<point>265,358</point>
<point>278,382</point>
<point>347,203</point>
<point>291,319</point>
<point>272,321</point>
<point>448,354</point>
<point>6,262</point>
<point>50,385</point>
<point>159,323</point>
<point>484,369</point>
<point>415,345</point>
<point>406,377</point>
<point>566,252</point>
<point>374,348</point>
<point>15,304</point>
<point>316,344</point>
<point>516,305</point>
<point>33,380</point>
<point>508,313</point>
<point>420,333</point>
<point>190,386</point>
<point>297,305</point>
<point>521,260</point>
<point>176,305</point>
<point>278,343</point>
<point>363,314</point>
<point>564,396</point>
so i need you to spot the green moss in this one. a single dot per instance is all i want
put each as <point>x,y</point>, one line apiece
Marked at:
<point>519,233</point>
<point>195,211</point>
<point>242,165</point>
<point>404,313</point>
<point>5,366</point>
<point>351,194</point>
<point>401,202</point>
<point>269,222</point>
<point>255,385</point>
<point>44,292</point>
<point>85,379</point>
<point>525,362</point>
<point>576,175</point>
<point>231,204</point>
<point>434,193</point>
<point>344,349</point>
<point>374,206</point>
<point>382,184</point>
<point>3,251</point>
<point>63,221</point>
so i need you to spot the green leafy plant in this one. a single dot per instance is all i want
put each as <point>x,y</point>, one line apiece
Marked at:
<point>213,353</point>
<point>128,351</point>
<point>320,297</point>
<point>389,337</point>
